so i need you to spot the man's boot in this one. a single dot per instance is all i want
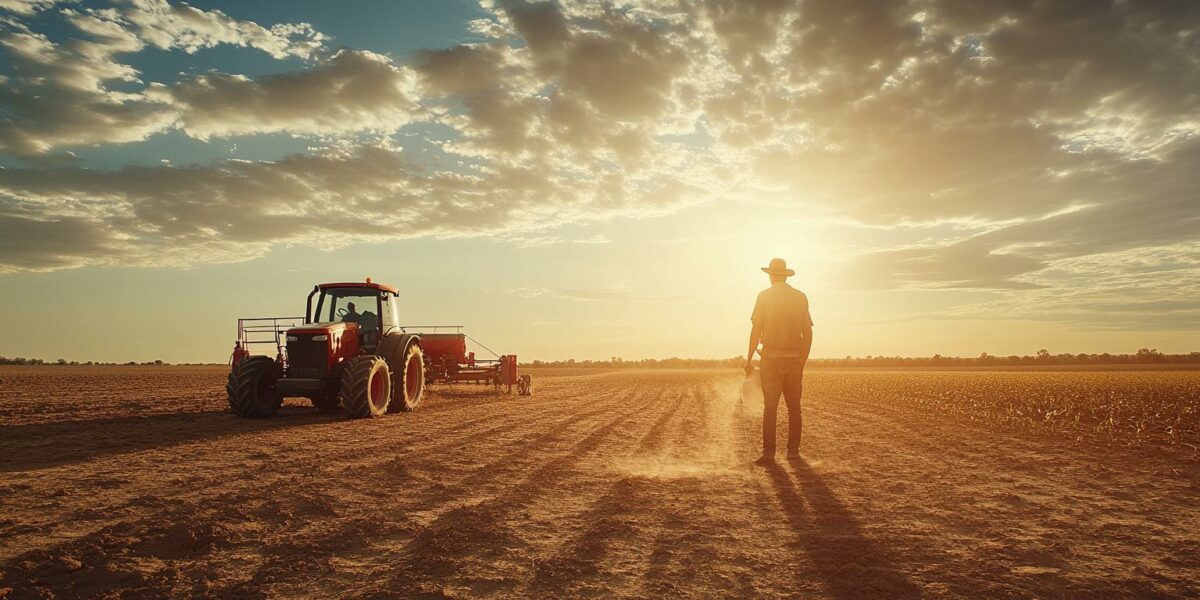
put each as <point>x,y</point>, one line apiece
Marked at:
<point>767,458</point>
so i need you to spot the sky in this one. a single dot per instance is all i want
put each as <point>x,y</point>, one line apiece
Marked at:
<point>597,179</point>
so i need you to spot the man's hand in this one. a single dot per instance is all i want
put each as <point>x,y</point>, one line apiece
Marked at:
<point>755,336</point>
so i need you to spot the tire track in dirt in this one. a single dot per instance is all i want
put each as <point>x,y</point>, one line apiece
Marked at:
<point>126,538</point>
<point>709,537</point>
<point>1017,513</point>
<point>607,519</point>
<point>531,434</point>
<point>62,524</point>
<point>632,484</point>
<point>392,534</point>
<point>545,516</point>
<point>1010,514</point>
<point>271,499</point>
<point>664,525</point>
<point>682,547</point>
<point>139,502</point>
<point>479,535</point>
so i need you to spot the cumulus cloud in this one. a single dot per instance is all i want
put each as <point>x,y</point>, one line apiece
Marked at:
<point>1060,130</point>
<point>50,243</point>
<point>166,215</point>
<point>353,91</point>
<point>60,96</point>
<point>162,215</point>
<point>997,112</point>
<point>64,94</point>
<point>166,26</point>
<point>1152,287</point>
<point>26,7</point>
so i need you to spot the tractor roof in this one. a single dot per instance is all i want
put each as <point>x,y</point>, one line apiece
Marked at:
<point>360,284</point>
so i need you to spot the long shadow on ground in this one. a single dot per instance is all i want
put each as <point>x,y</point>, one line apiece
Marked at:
<point>43,445</point>
<point>30,447</point>
<point>851,565</point>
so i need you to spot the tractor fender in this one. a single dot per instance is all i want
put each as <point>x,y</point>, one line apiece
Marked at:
<point>394,347</point>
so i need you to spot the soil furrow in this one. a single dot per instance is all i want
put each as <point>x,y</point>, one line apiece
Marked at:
<point>616,484</point>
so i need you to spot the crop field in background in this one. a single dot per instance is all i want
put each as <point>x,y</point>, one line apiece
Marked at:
<point>136,481</point>
<point>1136,407</point>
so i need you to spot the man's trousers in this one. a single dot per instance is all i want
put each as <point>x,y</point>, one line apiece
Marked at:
<point>781,376</point>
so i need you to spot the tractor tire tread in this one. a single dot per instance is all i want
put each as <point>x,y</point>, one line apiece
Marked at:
<point>355,395</point>
<point>400,400</point>
<point>242,388</point>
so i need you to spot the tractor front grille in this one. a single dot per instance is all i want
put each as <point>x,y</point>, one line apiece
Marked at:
<point>307,359</point>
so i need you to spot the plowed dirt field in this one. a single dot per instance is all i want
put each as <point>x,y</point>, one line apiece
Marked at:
<point>136,482</point>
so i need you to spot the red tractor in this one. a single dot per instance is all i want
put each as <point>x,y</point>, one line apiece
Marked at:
<point>349,350</point>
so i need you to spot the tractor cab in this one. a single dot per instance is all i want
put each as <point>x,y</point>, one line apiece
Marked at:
<point>370,308</point>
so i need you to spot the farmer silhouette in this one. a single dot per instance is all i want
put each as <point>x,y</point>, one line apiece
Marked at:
<point>782,323</point>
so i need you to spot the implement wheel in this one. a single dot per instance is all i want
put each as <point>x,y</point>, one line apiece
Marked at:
<point>409,381</point>
<point>251,388</point>
<point>366,386</point>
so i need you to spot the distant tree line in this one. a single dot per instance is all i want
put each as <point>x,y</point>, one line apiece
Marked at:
<point>1144,356</point>
<point>1043,357</point>
<point>4,360</point>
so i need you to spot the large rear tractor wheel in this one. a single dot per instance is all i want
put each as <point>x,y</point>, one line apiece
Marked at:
<point>409,380</point>
<point>366,386</point>
<point>251,388</point>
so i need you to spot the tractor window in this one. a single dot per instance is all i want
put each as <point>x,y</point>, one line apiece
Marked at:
<point>389,314</point>
<point>349,305</point>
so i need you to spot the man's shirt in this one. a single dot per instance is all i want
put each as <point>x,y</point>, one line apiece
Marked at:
<point>782,312</point>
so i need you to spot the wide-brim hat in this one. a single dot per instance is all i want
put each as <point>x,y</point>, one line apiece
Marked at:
<point>778,266</point>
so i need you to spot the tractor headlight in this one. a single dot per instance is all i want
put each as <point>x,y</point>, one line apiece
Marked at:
<point>320,338</point>
<point>292,338</point>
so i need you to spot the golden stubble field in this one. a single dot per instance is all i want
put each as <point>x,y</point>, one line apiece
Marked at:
<point>136,482</point>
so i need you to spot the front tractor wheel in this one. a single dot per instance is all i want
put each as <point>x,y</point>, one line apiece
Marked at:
<point>366,386</point>
<point>409,381</point>
<point>251,388</point>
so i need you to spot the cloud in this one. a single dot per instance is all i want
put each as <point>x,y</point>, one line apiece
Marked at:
<point>27,7</point>
<point>924,112</point>
<point>1138,204</point>
<point>354,91</point>
<point>63,95</point>
<point>539,241</point>
<point>59,97</point>
<point>1010,143</point>
<point>235,210</point>
<point>166,26</point>
<point>1147,288</point>
<point>34,245</point>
